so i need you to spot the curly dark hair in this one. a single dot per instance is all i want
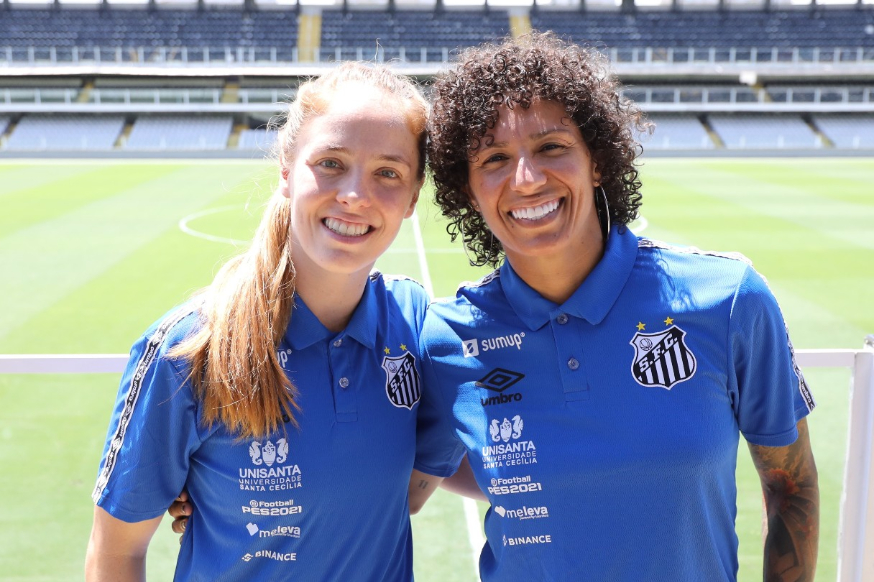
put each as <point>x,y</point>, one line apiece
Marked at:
<point>465,103</point>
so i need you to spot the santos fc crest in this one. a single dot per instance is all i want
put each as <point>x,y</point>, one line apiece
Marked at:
<point>662,359</point>
<point>402,380</point>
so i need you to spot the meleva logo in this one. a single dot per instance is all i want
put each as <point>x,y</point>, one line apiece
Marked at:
<point>473,347</point>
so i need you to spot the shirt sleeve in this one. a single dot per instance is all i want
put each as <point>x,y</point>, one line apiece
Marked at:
<point>768,389</point>
<point>438,450</point>
<point>152,433</point>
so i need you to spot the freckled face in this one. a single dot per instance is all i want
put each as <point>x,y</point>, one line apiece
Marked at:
<point>352,181</point>
<point>534,183</point>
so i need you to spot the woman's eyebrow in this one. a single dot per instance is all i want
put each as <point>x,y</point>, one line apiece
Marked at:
<point>532,136</point>
<point>397,159</point>
<point>382,157</point>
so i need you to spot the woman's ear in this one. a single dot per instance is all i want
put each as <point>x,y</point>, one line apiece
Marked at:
<point>415,199</point>
<point>471,199</point>
<point>284,185</point>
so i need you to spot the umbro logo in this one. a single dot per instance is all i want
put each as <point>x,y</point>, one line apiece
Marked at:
<point>499,380</point>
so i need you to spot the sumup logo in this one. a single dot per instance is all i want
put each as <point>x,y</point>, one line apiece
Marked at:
<point>472,347</point>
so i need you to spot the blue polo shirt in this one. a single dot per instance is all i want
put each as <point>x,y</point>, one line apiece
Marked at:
<point>605,430</point>
<point>327,501</point>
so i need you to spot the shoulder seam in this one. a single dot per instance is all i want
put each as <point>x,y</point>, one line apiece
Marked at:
<point>647,243</point>
<point>496,274</point>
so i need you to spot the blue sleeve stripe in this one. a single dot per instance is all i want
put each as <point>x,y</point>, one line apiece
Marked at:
<point>150,355</point>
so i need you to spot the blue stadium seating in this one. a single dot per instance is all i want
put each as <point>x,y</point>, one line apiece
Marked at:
<point>711,28</point>
<point>134,28</point>
<point>836,27</point>
<point>413,29</point>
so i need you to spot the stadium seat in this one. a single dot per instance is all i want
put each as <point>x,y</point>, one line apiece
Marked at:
<point>168,132</point>
<point>65,133</point>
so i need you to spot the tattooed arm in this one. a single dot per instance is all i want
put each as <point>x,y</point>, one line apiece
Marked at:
<point>422,486</point>
<point>791,496</point>
<point>462,482</point>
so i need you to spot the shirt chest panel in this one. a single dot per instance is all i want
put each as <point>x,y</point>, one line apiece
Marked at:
<point>566,397</point>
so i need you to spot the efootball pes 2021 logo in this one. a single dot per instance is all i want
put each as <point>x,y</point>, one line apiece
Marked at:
<point>662,358</point>
<point>402,385</point>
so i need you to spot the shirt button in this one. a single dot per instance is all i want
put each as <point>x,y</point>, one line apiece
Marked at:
<point>573,364</point>
<point>344,383</point>
<point>561,319</point>
<point>338,342</point>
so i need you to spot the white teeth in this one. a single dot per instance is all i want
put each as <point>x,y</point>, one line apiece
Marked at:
<point>535,213</point>
<point>346,228</point>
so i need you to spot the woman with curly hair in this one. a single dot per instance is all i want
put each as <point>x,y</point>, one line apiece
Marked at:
<point>598,382</point>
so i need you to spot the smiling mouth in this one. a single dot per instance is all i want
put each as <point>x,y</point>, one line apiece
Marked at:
<point>344,228</point>
<point>535,212</point>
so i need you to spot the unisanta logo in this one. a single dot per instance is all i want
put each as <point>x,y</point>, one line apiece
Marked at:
<point>268,453</point>
<point>270,472</point>
<point>473,347</point>
<point>510,450</point>
<point>506,431</point>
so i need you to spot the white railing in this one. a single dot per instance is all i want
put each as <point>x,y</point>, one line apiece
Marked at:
<point>740,96</point>
<point>416,55</point>
<point>856,526</point>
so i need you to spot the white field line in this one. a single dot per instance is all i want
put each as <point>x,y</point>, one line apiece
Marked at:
<point>183,225</point>
<point>471,513</point>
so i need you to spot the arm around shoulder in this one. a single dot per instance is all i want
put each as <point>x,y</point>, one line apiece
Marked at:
<point>117,549</point>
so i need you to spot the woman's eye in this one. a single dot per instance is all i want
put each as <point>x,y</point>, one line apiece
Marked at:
<point>388,173</point>
<point>495,158</point>
<point>552,146</point>
<point>329,164</point>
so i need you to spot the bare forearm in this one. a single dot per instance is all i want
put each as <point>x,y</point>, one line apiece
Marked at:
<point>464,483</point>
<point>117,549</point>
<point>113,568</point>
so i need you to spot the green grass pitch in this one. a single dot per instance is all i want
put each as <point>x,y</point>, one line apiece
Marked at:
<point>91,252</point>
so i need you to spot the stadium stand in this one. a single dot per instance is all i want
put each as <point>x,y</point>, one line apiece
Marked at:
<point>257,139</point>
<point>847,131</point>
<point>413,29</point>
<point>135,28</point>
<point>764,132</point>
<point>65,133</point>
<point>713,28</point>
<point>416,29</point>
<point>676,132</point>
<point>204,77</point>
<point>166,132</point>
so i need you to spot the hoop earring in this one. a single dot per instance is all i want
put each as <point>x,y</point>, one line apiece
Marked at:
<point>604,215</point>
